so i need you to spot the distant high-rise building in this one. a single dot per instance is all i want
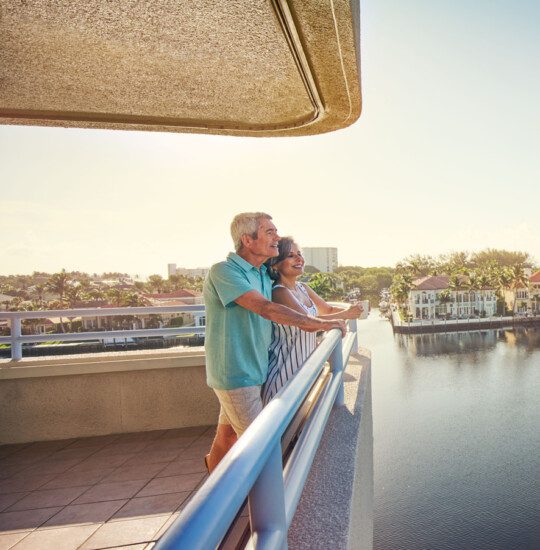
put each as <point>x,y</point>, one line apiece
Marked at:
<point>196,272</point>
<point>323,258</point>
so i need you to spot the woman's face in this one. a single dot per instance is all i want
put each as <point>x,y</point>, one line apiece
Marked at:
<point>293,264</point>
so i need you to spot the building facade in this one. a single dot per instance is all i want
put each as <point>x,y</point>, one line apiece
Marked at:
<point>325,259</point>
<point>431,298</point>
<point>525,300</point>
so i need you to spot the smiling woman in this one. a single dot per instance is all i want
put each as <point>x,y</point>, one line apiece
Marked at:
<point>291,346</point>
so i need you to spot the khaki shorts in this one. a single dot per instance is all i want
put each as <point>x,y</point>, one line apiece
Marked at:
<point>239,407</point>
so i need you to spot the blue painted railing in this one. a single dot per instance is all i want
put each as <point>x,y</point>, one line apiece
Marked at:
<point>253,467</point>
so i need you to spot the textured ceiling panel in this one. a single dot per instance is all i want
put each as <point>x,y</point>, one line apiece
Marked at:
<point>243,67</point>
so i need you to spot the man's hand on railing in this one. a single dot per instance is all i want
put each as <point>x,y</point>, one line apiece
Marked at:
<point>336,323</point>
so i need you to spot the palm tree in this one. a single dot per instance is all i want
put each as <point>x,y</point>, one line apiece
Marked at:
<point>157,283</point>
<point>58,284</point>
<point>445,297</point>
<point>518,280</point>
<point>400,287</point>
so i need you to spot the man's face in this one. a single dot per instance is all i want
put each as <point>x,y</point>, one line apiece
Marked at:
<point>266,243</point>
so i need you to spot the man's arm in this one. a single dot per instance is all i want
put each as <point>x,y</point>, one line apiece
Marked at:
<point>256,302</point>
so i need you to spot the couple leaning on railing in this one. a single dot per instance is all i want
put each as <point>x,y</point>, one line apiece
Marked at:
<point>259,334</point>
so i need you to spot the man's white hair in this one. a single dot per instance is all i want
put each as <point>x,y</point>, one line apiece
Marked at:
<point>246,223</point>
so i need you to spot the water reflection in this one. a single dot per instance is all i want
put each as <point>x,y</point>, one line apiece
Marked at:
<point>457,452</point>
<point>456,343</point>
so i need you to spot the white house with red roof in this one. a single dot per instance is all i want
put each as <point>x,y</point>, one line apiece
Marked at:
<point>427,300</point>
<point>525,300</point>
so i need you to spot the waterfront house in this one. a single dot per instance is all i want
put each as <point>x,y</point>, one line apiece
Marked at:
<point>432,297</point>
<point>525,299</point>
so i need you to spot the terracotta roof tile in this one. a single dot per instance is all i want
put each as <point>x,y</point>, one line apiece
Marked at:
<point>431,282</point>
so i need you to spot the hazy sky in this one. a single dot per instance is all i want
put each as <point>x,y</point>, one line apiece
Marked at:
<point>444,157</point>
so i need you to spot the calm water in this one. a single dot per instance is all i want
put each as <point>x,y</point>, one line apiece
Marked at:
<point>457,438</point>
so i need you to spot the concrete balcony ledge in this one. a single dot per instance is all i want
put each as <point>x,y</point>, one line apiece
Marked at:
<point>100,394</point>
<point>336,507</point>
<point>92,363</point>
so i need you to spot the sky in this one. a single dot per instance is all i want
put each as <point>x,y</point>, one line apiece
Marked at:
<point>444,157</point>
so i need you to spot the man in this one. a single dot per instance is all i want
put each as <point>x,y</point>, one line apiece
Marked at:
<point>239,311</point>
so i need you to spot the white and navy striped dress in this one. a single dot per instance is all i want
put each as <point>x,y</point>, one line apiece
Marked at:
<point>289,349</point>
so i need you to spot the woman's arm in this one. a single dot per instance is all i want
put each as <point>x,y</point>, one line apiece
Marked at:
<point>327,311</point>
<point>284,297</point>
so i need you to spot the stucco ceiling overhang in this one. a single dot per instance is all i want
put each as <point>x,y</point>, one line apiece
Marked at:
<point>237,67</point>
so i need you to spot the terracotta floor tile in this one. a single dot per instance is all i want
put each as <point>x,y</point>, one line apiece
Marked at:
<point>29,483</point>
<point>165,527</point>
<point>52,446</point>
<point>78,479</point>
<point>48,498</point>
<point>8,541</point>
<point>121,533</point>
<point>171,444</point>
<point>152,457</point>
<point>25,520</point>
<point>192,453</point>
<point>124,448</point>
<point>9,470</point>
<point>171,484</point>
<point>95,463</point>
<point>185,432</point>
<point>6,450</point>
<point>51,466</point>
<point>82,514</point>
<point>151,506</point>
<point>97,441</point>
<point>9,499</point>
<point>111,491</point>
<point>24,458</point>
<point>133,472</point>
<point>66,538</point>
<point>69,453</point>
<point>183,466</point>
<point>141,436</point>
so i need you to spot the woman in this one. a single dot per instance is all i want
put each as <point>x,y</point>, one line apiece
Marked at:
<point>290,345</point>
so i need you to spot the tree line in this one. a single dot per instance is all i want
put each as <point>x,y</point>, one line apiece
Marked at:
<point>490,268</point>
<point>66,290</point>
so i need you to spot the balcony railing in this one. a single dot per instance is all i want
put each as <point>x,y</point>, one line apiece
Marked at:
<point>253,468</point>
<point>17,339</point>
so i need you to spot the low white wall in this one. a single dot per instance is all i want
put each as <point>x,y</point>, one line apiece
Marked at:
<point>77,397</point>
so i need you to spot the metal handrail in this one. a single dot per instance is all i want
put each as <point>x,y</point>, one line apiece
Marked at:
<point>17,339</point>
<point>253,467</point>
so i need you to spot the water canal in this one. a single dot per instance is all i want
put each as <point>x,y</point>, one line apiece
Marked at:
<point>457,438</point>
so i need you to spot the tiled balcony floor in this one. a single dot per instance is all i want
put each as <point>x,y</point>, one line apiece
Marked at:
<point>114,491</point>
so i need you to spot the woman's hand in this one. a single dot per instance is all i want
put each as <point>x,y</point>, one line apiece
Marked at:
<point>352,312</point>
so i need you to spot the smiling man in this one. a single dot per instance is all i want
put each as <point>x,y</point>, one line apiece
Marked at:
<point>239,311</point>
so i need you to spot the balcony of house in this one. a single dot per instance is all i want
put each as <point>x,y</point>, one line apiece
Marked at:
<point>105,450</point>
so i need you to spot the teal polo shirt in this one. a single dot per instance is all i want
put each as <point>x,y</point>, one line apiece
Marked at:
<point>236,339</point>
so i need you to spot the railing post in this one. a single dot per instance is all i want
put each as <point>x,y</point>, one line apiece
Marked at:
<point>354,328</point>
<point>16,344</point>
<point>336,364</point>
<point>267,505</point>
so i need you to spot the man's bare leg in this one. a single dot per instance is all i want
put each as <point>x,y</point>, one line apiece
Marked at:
<point>224,440</point>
